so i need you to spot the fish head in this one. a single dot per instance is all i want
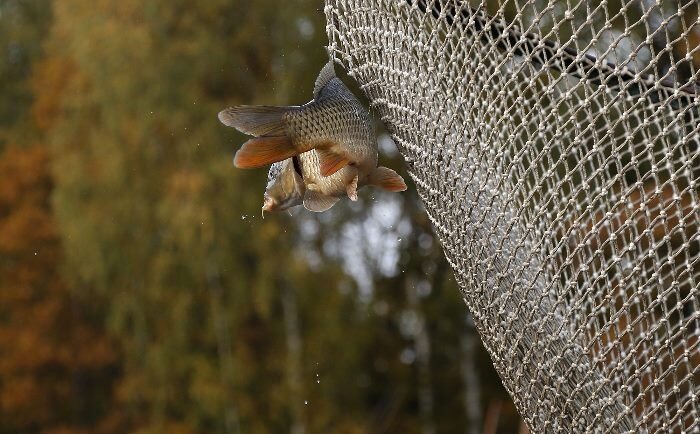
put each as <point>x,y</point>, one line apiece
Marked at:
<point>285,187</point>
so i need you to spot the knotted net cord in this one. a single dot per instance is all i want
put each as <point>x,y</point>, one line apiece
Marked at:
<point>555,146</point>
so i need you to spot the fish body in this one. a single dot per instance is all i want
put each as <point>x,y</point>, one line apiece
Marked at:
<point>297,181</point>
<point>330,143</point>
<point>324,191</point>
<point>336,125</point>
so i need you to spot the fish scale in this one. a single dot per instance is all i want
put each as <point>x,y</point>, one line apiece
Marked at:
<point>336,116</point>
<point>311,174</point>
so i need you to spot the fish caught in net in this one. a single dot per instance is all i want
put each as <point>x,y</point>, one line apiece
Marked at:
<point>555,145</point>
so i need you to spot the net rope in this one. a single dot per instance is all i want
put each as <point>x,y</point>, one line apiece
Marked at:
<point>555,146</point>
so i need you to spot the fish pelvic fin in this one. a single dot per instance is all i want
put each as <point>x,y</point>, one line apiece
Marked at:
<point>256,120</point>
<point>351,188</point>
<point>327,74</point>
<point>330,162</point>
<point>318,202</point>
<point>387,179</point>
<point>263,151</point>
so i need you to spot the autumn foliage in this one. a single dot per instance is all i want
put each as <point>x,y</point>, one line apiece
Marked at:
<point>57,364</point>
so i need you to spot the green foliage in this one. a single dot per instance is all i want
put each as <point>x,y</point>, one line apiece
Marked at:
<point>23,28</point>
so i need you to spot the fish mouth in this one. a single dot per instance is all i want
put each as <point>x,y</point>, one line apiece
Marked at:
<point>269,205</point>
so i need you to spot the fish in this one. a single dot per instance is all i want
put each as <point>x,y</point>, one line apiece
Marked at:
<point>332,138</point>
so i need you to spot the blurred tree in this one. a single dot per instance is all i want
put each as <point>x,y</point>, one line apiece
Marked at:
<point>23,28</point>
<point>156,222</point>
<point>57,365</point>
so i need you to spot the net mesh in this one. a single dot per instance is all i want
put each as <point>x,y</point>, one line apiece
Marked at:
<point>555,146</point>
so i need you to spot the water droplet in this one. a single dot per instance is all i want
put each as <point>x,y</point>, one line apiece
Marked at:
<point>36,253</point>
<point>306,402</point>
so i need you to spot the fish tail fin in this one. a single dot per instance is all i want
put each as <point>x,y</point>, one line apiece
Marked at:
<point>262,151</point>
<point>271,143</point>
<point>387,179</point>
<point>256,120</point>
<point>327,74</point>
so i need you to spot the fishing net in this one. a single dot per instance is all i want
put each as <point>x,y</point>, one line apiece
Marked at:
<point>555,146</point>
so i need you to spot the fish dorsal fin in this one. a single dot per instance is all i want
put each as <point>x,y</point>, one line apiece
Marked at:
<point>327,74</point>
<point>318,202</point>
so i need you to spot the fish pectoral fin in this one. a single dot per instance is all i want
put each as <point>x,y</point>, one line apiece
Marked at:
<point>387,179</point>
<point>330,162</point>
<point>351,188</point>
<point>256,120</point>
<point>318,202</point>
<point>263,151</point>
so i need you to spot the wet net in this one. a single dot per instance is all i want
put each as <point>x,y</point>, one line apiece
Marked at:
<point>555,146</point>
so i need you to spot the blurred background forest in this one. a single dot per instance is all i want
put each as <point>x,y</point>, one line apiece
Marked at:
<point>140,291</point>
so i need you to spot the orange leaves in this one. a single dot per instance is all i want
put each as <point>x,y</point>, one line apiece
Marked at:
<point>50,79</point>
<point>19,395</point>
<point>25,225</point>
<point>24,177</point>
<point>26,220</point>
<point>47,340</point>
